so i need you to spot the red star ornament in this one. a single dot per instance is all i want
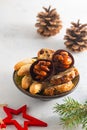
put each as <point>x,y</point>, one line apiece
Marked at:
<point>2,125</point>
<point>32,121</point>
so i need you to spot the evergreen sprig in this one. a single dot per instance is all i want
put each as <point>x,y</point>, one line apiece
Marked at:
<point>72,113</point>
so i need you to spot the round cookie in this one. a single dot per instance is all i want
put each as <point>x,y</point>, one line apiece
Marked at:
<point>45,53</point>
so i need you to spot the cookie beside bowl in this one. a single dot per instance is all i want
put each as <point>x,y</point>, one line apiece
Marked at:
<point>46,85</point>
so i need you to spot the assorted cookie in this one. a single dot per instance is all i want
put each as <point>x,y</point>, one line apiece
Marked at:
<point>55,89</point>
<point>41,69</point>
<point>45,53</point>
<point>49,73</point>
<point>62,60</point>
<point>65,76</point>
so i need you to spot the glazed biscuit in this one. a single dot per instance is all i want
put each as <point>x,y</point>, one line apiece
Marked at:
<point>65,76</point>
<point>56,89</point>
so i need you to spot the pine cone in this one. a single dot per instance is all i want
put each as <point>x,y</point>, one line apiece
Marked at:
<point>49,22</point>
<point>76,37</point>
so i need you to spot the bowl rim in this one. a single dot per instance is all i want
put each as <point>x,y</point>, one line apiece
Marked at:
<point>43,96</point>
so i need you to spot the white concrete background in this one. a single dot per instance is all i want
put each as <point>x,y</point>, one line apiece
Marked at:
<point>19,40</point>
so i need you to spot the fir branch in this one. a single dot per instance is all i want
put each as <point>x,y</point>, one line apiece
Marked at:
<point>72,113</point>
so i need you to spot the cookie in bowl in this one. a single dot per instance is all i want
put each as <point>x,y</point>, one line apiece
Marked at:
<point>62,60</point>
<point>62,82</point>
<point>41,70</point>
<point>65,76</point>
<point>46,78</point>
<point>45,53</point>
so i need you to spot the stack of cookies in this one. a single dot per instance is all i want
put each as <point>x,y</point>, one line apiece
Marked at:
<point>50,73</point>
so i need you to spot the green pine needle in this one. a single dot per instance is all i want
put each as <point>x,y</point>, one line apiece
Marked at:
<point>72,113</point>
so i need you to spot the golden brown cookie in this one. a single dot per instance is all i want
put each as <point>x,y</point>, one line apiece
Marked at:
<point>23,62</point>
<point>45,53</point>
<point>35,88</point>
<point>24,70</point>
<point>56,89</point>
<point>26,81</point>
<point>64,77</point>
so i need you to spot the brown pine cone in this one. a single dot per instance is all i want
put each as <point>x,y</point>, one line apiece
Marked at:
<point>76,37</point>
<point>49,22</point>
